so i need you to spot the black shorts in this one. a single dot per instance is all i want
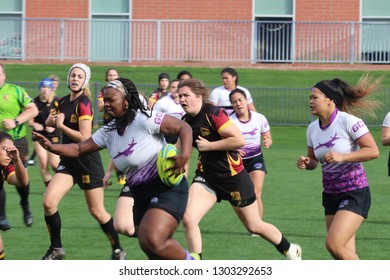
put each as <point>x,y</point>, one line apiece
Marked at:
<point>55,139</point>
<point>238,189</point>
<point>22,146</point>
<point>87,171</point>
<point>156,194</point>
<point>358,201</point>
<point>255,163</point>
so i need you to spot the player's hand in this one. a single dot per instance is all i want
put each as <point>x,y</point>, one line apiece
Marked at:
<point>60,120</point>
<point>202,144</point>
<point>13,153</point>
<point>303,162</point>
<point>333,157</point>
<point>42,140</point>
<point>9,124</point>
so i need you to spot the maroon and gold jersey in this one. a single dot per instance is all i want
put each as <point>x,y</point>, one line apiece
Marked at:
<point>45,109</point>
<point>6,172</point>
<point>208,123</point>
<point>78,109</point>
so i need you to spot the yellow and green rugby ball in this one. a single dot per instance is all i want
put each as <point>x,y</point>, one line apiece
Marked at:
<point>163,163</point>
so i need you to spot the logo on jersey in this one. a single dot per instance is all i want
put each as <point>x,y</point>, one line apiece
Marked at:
<point>128,152</point>
<point>73,118</point>
<point>6,97</point>
<point>204,131</point>
<point>154,200</point>
<point>85,179</point>
<point>328,144</point>
<point>252,132</point>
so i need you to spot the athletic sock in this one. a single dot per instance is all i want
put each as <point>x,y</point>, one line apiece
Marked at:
<point>112,235</point>
<point>283,246</point>
<point>23,191</point>
<point>53,223</point>
<point>2,203</point>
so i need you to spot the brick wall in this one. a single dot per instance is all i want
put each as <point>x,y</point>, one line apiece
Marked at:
<point>57,9</point>
<point>327,10</point>
<point>196,10</point>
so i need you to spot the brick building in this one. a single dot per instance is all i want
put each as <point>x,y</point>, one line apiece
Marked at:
<point>84,36</point>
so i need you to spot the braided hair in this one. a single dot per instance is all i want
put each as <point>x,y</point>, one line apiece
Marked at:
<point>135,104</point>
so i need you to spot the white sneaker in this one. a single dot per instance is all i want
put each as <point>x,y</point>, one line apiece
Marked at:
<point>294,253</point>
<point>31,162</point>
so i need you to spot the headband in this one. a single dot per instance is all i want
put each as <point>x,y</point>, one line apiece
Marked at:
<point>337,97</point>
<point>116,84</point>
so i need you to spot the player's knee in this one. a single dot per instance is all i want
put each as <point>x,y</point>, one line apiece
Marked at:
<point>124,228</point>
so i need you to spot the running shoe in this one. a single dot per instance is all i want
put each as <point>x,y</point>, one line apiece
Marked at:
<point>294,252</point>
<point>54,254</point>
<point>27,216</point>
<point>4,225</point>
<point>119,254</point>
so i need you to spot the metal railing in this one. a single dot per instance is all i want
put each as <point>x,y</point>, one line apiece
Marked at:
<point>281,106</point>
<point>178,40</point>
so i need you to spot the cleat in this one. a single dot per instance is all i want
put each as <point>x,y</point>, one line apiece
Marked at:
<point>27,216</point>
<point>195,256</point>
<point>294,253</point>
<point>121,180</point>
<point>54,254</point>
<point>119,254</point>
<point>31,162</point>
<point>4,225</point>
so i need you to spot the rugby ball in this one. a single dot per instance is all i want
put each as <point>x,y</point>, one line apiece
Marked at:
<point>163,163</point>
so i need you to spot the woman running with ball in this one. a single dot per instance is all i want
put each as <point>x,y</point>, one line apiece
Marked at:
<point>134,139</point>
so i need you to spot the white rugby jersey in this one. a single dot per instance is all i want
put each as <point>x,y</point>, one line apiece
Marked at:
<point>339,136</point>
<point>135,151</point>
<point>386,121</point>
<point>252,131</point>
<point>167,105</point>
<point>220,97</point>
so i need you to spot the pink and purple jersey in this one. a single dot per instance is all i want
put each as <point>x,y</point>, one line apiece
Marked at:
<point>339,136</point>
<point>252,131</point>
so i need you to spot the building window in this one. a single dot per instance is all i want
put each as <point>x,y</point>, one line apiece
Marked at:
<point>110,19</point>
<point>375,31</point>
<point>11,13</point>
<point>273,29</point>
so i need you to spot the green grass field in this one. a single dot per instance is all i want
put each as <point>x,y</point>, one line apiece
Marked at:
<point>292,202</point>
<point>292,197</point>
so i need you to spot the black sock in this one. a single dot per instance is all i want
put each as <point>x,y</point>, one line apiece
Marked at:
<point>109,230</point>
<point>32,157</point>
<point>2,203</point>
<point>53,224</point>
<point>23,191</point>
<point>283,246</point>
